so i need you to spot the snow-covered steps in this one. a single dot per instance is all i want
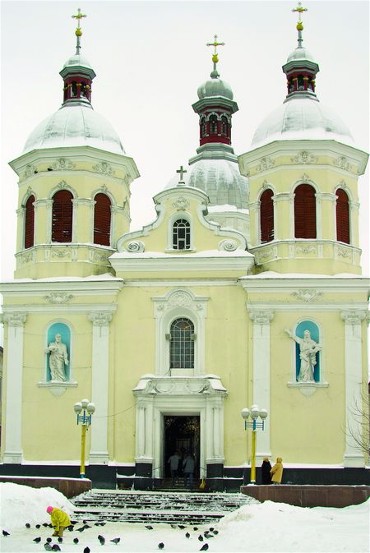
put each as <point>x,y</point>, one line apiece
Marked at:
<point>156,507</point>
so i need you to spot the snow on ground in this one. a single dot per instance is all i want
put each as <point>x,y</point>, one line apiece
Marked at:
<point>261,527</point>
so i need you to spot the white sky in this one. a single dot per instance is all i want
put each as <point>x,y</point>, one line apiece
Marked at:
<point>262,527</point>
<point>150,57</point>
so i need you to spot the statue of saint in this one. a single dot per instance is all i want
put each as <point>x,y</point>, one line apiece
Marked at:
<point>308,350</point>
<point>58,359</point>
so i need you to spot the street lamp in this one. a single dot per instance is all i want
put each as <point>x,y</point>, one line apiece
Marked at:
<point>84,410</point>
<point>255,413</point>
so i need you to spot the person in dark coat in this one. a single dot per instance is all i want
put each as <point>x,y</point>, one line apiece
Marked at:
<point>265,471</point>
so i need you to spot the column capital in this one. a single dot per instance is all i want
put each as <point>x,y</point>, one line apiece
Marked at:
<point>353,316</point>
<point>15,318</point>
<point>261,316</point>
<point>100,318</point>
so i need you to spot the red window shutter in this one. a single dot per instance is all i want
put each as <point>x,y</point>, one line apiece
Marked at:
<point>305,212</point>
<point>267,216</point>
<point>342,216</point>
<point>29,223</point>
<point>62,217</point>
<point>102,220</point>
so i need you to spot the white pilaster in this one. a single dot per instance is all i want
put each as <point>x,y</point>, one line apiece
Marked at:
<point>353,457</point>
<point>14,394</point>
<point>261,374</point>
<point>99,392</point>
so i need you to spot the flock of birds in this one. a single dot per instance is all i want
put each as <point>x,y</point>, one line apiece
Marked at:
<point>49,546</point>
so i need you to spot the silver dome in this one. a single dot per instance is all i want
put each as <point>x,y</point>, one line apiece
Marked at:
<point>300,53</point>
<point>300,118</point>
<point>215,87</point>
<point>220,179</point>
<point>77,60</point>
<point>74,125</point>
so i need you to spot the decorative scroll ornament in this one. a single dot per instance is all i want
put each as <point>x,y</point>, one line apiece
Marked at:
<point>306,249</point>
<point>58,297</point>
<point>104,168</point>
<point>181,204</point>
<point>100,318</point>
<point>62,164</point>
<point>265,164</point>
<point>304,157</point>
<point>17,318</point>
<point>228,245</point>
<point>353,317</point>
<point>261,317</point>
<point>136,247</point>
<point>307,295</point>
<point>343,163</point>
<point>29,171</point>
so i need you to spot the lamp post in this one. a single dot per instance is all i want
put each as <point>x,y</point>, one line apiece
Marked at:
<point>254,413</point>
<point>84,410</point>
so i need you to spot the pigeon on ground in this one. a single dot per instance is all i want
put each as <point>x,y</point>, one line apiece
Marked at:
<point>195,528</point>
<point>200,538</point>
<point>181,526</point>
<point>80,529</point>
<point>75,540</point>
<point>211,529</point>
<point>5,533</point>
<point>47,546</point>
<point>56,547</point>
<point>101,539</point>
<point>174,526</point>
<point>38,526</point>
<point>87,550</point>
<point>37,540</point>
<point>204,547</point>
<point>149,527</point>
<point>161,545</point>
<point>215,532</point>
<point>49,540</point>
<point>27,525</point>
<point>187,535</point>
<point>60,539</point>
<point>45,524</point>
<point>116,540</point>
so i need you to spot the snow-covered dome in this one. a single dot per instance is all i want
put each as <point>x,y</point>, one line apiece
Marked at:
<point>74,125</point>
<point>220,179</point>
<point>302,118</point>
<point>77,60</point>
<point>300,53</point>
<point>215,87</point>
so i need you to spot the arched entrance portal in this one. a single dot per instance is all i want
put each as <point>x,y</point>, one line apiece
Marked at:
<point>182,434</point>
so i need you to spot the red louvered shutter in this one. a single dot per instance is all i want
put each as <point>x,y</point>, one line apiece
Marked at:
<point>62,217</point>
<point>305,212</point>
<point>267,216</point>
<point>29,223</point>
<point>102,220</point>
<point>342,216</point>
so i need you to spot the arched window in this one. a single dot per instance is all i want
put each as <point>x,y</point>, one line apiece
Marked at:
<point>29,223</point>
<point>305,212</point>
<point>342,217</point>
<point>181,235</point>
<point>224,126</point>
<point>182,344</point>
<point>202,127</point>
<point>213,124</point>
<point>102,219</point>
<point>267,216</point>
<point>61,230</point>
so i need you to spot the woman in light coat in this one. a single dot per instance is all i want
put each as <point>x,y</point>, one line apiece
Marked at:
<point>277,471</point>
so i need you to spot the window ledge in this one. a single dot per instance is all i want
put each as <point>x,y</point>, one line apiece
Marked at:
<point>307,388</point>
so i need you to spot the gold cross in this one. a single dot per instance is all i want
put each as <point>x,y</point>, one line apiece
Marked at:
<point>300,9</point>
<point>215,44</point>
<point>78,16</point>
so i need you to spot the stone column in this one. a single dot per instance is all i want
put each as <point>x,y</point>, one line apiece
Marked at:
<point>99,392</point>
<point>14,394</point>
<point>261,375</point>
<point>353,457</point>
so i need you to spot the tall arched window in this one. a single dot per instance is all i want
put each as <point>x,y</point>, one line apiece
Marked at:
<point>61,230</point>
<point>102,219</point>
<point>342,217</point>
<point>267,216</point>
<point>181,235</point>
<point>304,212</point>
<point>182,344</point>
<point>224,126</point>
<point>29,223</point>
<point>213,124</point>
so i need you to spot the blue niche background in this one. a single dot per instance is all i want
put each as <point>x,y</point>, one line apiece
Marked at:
<point>314,330</point>
<point>64,331</point>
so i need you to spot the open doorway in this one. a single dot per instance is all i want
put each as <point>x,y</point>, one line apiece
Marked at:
<point>182,434</point>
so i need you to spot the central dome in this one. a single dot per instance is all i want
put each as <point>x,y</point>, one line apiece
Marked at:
<point>215,87</point>
<point>74,125</point>
<point>302,118</point>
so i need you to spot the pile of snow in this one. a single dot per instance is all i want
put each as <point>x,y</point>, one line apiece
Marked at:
<point>259,527</point>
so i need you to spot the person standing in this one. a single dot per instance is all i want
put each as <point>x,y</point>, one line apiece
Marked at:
<point>277,471</point>
<point>174,462</point>
<point>188,468</point>
<point>59,520</point>
<point>266,471</point>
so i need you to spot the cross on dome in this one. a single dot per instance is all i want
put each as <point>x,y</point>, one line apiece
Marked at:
<point>78,31</point>
<point>299,9</point>
<point>215,43</point>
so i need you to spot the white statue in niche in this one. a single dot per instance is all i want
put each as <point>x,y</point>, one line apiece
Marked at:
<point>58,359</point>
<point>308,350</point>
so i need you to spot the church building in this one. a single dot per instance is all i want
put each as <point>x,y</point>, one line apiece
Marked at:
<point>246,291</point>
